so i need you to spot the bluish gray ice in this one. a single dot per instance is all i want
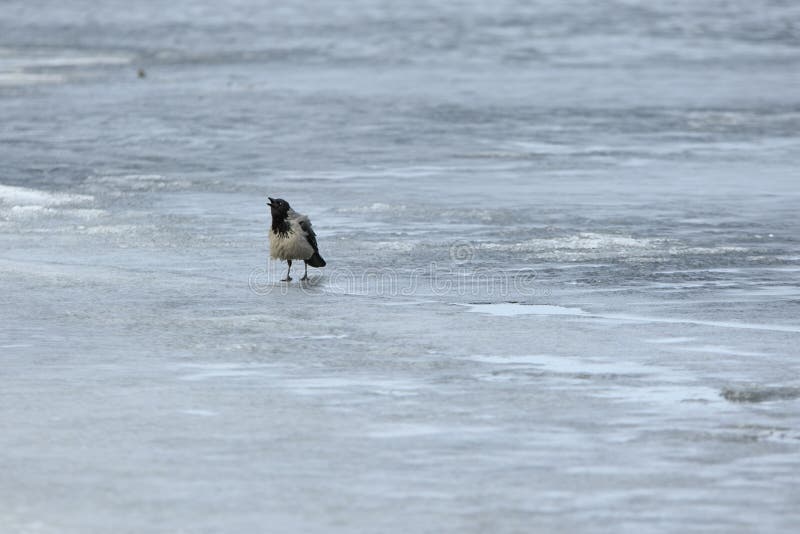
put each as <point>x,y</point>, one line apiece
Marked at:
<point>563,258</point>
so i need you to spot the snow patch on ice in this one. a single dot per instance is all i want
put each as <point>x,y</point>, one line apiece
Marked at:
<point>719,324</point>
<point>581,241</point>
<point>207,371</point>
<point>115,229</point>
<point>719,349</point>
<point>24,204</point>
<point>15,65</point>
<point>400,430</point>
<point>369,385</point>
<point>14,59</point>
<point>28,212</point>
<point>669,340</point>
<point>201,413</point>
<point>27,78</point>
<point>321,336</point>
<point>510,309</point>
<point>376,207</point>
<point>20,197</point>
<point>593,246</point>
<point>140,182</point>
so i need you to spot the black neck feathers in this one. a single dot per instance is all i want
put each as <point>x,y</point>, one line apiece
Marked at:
<point>280,224</point>
<point>280,215</point>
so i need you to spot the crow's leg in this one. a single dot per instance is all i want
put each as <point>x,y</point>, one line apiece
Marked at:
<point>305,275</point>
<point>288,278</point>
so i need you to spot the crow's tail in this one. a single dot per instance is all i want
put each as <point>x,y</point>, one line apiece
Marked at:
<point>316,260</point>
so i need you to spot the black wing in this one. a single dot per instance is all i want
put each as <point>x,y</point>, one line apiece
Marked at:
<point>311,237</point>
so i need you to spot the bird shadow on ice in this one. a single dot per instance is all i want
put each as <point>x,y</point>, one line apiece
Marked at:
<point>312,282</point>
<point>264,282</point>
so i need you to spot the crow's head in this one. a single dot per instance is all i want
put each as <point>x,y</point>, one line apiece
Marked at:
<point>279,207</point>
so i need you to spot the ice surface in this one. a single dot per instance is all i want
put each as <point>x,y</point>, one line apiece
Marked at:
<point>561,292</point>
<point>25,197</point>
<point>510,309</point>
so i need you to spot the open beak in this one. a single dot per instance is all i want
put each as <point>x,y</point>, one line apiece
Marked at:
<point>270,201</point>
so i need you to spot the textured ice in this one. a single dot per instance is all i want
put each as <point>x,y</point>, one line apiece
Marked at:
<point>561,291</point>
<point>509,309</point>
<point>761,394</point>
<point>23,197</point>
<point>27,78</point>
<point>670,340</point>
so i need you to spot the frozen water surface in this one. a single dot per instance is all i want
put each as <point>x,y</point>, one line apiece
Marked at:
<point>562,283</point>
